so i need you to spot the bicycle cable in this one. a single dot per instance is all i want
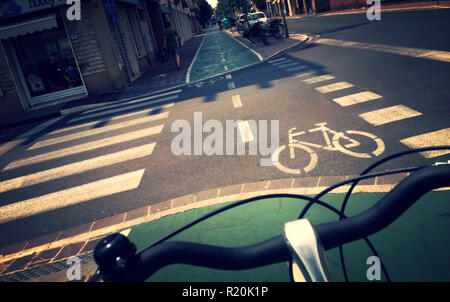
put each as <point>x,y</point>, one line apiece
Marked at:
<point>313,200</point>
<point>354,183</point>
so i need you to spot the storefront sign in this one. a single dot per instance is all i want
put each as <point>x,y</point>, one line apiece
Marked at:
<point>19,7</point>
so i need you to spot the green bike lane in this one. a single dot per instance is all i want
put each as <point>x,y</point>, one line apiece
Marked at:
<point>219,53</point>
<point>413,248</point>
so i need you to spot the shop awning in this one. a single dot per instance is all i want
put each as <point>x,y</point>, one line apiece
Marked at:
<point>27,27</point>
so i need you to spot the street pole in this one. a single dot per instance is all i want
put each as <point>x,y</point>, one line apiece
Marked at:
<point>284,19</point>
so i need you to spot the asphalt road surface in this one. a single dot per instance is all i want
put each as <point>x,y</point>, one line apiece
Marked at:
<point>336,106</point>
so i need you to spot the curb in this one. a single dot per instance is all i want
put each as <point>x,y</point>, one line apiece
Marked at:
<point>81,240</point>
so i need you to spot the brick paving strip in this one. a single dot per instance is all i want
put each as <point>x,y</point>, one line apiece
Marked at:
<point>47,254</point>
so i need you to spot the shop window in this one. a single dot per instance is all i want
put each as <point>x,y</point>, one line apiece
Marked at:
<point>47,61</point>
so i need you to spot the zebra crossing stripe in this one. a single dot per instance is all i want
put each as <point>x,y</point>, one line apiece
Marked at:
<point>296,68</point>
<point>334,87</point>
<point>431,139</point>
<point>277,60</point>
<point>132,101</point>
<point>105,187</point>
<point>95,131</point>
<point>122,109</point>
<point>318,79</point>
<point>357,98</point>
<point>123,106</point>
<point>287,64</point>
<point>389,115</point>
<point>107,119</point>
<point>78,167</point>
<point>129,136</point>
<point>23,137</point>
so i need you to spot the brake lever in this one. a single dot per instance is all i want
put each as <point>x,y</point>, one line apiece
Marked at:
<point>306,250</point>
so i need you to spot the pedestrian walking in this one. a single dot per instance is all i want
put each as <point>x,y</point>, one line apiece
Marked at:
<point>173,44</point>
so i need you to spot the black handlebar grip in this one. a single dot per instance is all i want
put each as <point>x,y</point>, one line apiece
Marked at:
<point>388,209</point>
<point>268,252</point>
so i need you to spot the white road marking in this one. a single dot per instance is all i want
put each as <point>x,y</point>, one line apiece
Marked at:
<point>129,136</point>
<point>296,68</point>
<point>96,131</point>
<point>237,101</point>
<point>438,55</point>
<point>287,64</point>
<point>188,74</point>
<point>171,95</point>
<point>228,76</point>
<point>78,167</point>
<point>431,139</point>
<point>245,131</point>
<point>357,98</point>
<point>121,109</point>
<point>24,136</point>
<point>231,85</point>
<point>225,67</point>
<point>389,115</point>
<point>277,60</point>
<point>223,60</point>
<point>334,87</point>
<point>108,119</point>
<point>75,195</point>
<point>305,73</point>
<point>318,79</point>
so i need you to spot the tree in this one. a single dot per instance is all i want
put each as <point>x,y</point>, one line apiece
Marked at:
<point>260,4</point>
<point>204,11</point>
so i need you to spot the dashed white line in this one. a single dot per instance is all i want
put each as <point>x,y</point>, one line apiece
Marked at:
<point>334,87</point>
<point>318,79</point>
<point>357,98</point>
<point>431,139</point>
<point>389,115</point>
<point>237,101</point>
<point>246,132</point>
<point>277,60</point>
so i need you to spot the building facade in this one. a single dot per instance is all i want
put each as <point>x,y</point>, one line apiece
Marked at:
<point>45,58</point>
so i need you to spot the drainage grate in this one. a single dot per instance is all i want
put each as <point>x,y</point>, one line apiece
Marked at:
<point>43,270</point>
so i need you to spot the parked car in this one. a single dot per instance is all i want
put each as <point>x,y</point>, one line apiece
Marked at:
<point>252,19</point>
<point>257,17</point>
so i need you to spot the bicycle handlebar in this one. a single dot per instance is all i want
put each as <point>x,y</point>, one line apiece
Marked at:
<point>387,210</point>
<point>142,265</point>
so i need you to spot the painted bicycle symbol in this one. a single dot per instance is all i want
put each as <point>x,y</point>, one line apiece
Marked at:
<point>208,82</point>
<point>334,141</point>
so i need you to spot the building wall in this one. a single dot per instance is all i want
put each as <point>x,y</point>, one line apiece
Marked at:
<point>9,103</point>
<point>87,50</point>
